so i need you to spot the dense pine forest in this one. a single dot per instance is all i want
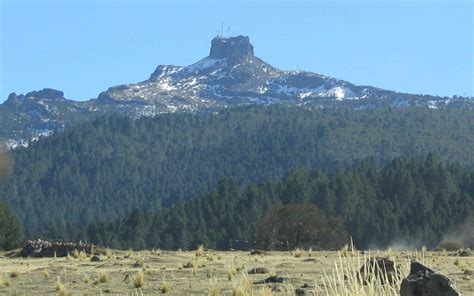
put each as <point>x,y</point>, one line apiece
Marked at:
<point>411,202</point>
<point>177,169</point>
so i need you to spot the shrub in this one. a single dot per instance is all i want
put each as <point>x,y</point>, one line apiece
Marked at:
<point>300,226</point>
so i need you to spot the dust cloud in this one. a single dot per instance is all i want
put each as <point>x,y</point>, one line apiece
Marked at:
<point>463,233</point>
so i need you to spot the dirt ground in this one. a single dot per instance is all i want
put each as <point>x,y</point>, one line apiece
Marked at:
<point>185,273</point>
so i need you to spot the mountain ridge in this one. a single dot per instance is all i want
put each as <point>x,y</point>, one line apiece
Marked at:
<point>231,75</point>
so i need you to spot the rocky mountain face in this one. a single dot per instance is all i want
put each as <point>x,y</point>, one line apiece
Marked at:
<point>230,76</point>
<point>38,113</point>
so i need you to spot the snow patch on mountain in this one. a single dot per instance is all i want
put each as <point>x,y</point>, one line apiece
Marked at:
<point>203,64</point>
<point>165,84</point>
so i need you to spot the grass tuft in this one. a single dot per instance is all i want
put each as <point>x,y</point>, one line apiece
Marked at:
<point>46,273</point>
<point>104,277</point>
<point>214,288</point>
<point>265,291</point>
<point>200,251</point>
<point>165,286</point>
<point>60,288</point>
<point>139,280</point>
<point>4,281</point>
<point>243,286</point>
<point>231,271</point>
<point>345,279</point>
<point>298,252</point>
<point>457,262</point>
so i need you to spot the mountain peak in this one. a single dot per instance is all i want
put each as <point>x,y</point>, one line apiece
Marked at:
<point>233,48</point>
<point>47,93</point>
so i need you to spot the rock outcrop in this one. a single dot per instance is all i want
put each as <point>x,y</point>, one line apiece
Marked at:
<point>423,281</point>
<point>235,49</point>
<point>464,253</point>
<point>42,248</point>
<point>382,269</point>
<point>47,93</point>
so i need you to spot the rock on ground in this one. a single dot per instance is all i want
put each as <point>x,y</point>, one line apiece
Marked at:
<point>42,248</point>
<point>382,269</point>
<point>258,270</point>
<point>423,281</point>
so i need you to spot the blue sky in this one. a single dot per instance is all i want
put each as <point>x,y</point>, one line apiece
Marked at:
<point>84,47</point>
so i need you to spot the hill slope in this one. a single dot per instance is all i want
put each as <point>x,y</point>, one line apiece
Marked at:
<point>103,169</point>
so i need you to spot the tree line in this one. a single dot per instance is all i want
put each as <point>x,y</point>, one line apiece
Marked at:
<point>414,201</point>
<point>101,170</point>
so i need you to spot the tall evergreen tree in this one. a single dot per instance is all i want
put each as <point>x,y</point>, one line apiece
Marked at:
<point>10,229</point>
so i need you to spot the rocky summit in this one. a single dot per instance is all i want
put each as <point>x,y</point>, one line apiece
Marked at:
<point>231,75</point>
<point>235,49</point>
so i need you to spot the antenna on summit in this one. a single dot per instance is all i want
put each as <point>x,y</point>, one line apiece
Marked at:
<point>220,33</point>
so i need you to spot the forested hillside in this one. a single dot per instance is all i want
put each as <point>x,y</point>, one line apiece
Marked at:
<point>411,202</point>
<point>102,170</point>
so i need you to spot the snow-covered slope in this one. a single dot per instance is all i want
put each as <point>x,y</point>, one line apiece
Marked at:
<point>231,75</point>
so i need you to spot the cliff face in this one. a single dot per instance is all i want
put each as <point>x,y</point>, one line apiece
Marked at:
<point>235,49</point>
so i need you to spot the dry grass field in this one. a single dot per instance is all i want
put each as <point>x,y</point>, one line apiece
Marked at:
<point>213,273</point>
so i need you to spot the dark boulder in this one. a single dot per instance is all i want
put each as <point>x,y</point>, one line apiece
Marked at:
<point>300,291</point>
<point>423,281</point>
<point>379,268</point>
<point>274,279</point>
<point>257,252</point>
<point>465,253</point>
<point>259,270</point>
<point>96,258</point>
